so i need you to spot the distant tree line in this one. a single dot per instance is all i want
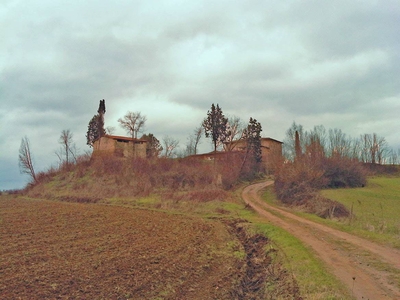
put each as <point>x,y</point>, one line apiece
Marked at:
<point>321,158</point>
<point>367,148</point>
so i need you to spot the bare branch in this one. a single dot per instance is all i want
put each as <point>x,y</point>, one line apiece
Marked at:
<point>170,145</point>
<point>133,123</point>
<point>25,159</point>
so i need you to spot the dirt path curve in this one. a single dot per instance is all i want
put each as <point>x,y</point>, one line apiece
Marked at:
<point>368,284</point>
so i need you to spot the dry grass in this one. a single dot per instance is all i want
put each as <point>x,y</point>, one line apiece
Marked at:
<point>105,177</point>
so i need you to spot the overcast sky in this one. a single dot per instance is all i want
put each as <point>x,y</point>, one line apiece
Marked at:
<point>331,63</point>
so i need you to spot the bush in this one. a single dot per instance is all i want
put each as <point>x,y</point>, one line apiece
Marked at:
<point>297,182</point>
<point>229,167</point>
<point>343,172</point>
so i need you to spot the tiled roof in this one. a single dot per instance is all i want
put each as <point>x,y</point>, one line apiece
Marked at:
<point>123,138</point>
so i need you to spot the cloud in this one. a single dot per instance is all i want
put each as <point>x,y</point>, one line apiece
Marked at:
<point>313,62</point>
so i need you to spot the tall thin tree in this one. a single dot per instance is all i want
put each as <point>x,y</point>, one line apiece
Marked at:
<point>253,155</point>
<point>297,146</point>
<point>25,159</point>
<point>96,125</point>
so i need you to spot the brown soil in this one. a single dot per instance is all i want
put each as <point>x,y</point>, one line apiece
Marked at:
<point>346,261</point>
<point>59,250</point>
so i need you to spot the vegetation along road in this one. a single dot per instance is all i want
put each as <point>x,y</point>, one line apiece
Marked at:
<point>357,262</point>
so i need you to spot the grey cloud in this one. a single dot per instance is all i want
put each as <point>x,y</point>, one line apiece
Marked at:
<point>344,28</point>
<point>309,61</point>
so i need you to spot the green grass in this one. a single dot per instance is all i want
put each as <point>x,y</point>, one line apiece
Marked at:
<point>314,280</point>
<point>376,209</point>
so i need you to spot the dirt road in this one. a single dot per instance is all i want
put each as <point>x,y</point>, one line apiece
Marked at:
<point>343,253</point>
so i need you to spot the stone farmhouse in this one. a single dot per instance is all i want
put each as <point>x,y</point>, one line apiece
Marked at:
<point>120,146</point>
<point>271,151</point>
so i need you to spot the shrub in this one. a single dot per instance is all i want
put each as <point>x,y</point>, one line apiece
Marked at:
<point>229,167</point>
<point>343,172</point>
<point>297,182</point>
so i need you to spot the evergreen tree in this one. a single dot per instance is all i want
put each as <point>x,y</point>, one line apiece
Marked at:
<point>253,136</point>
<point>102,107</point>
<point>154,147</point>
<point>215,126</point>
<point>96,125</point>
<point>297,145</point>
<point>253,156</point>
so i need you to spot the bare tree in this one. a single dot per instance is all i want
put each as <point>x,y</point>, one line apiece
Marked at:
<point>339,144</point>
<point>355,149</point>
<point>170,145</point>
<point>374,148</point>
<point>317,135</point>
<point>235,129</point>
<point>67,145</point>
<point>198,132</point>
<point>25,159</point>
<point>382,148</point>
<point>364,145</point>
<point>316,143</point>
<point>110,130</point>
<point>193,141</point>
<point>189,150</point>
<point>393,156</point>
<point>133,123</point>
<point>289,145</point>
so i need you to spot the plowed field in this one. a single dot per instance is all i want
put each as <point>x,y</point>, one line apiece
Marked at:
<point>56,250</point>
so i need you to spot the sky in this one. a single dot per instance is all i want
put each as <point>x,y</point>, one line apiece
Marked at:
<point>331,63</point>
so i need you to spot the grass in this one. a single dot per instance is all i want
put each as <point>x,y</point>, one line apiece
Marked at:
<point>314,280</point>
<point>375,208</point>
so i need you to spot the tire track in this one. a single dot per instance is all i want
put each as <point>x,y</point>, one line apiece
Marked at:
<point>367,284</point>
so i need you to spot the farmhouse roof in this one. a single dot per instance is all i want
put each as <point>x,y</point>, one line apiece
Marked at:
<point>271,139</point>
<point>211,153</point>
<point>265,139</point>
<point>123,138</point>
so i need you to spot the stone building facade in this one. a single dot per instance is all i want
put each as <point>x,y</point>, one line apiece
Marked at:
<point>271,151</point>
<point>120,146</point>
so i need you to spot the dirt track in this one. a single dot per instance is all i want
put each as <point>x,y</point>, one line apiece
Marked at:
<point>345,263</point>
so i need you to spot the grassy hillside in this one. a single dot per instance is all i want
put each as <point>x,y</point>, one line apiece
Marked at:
<point>162,229</point>
<point>168,189</point>
<point>375,208</point>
